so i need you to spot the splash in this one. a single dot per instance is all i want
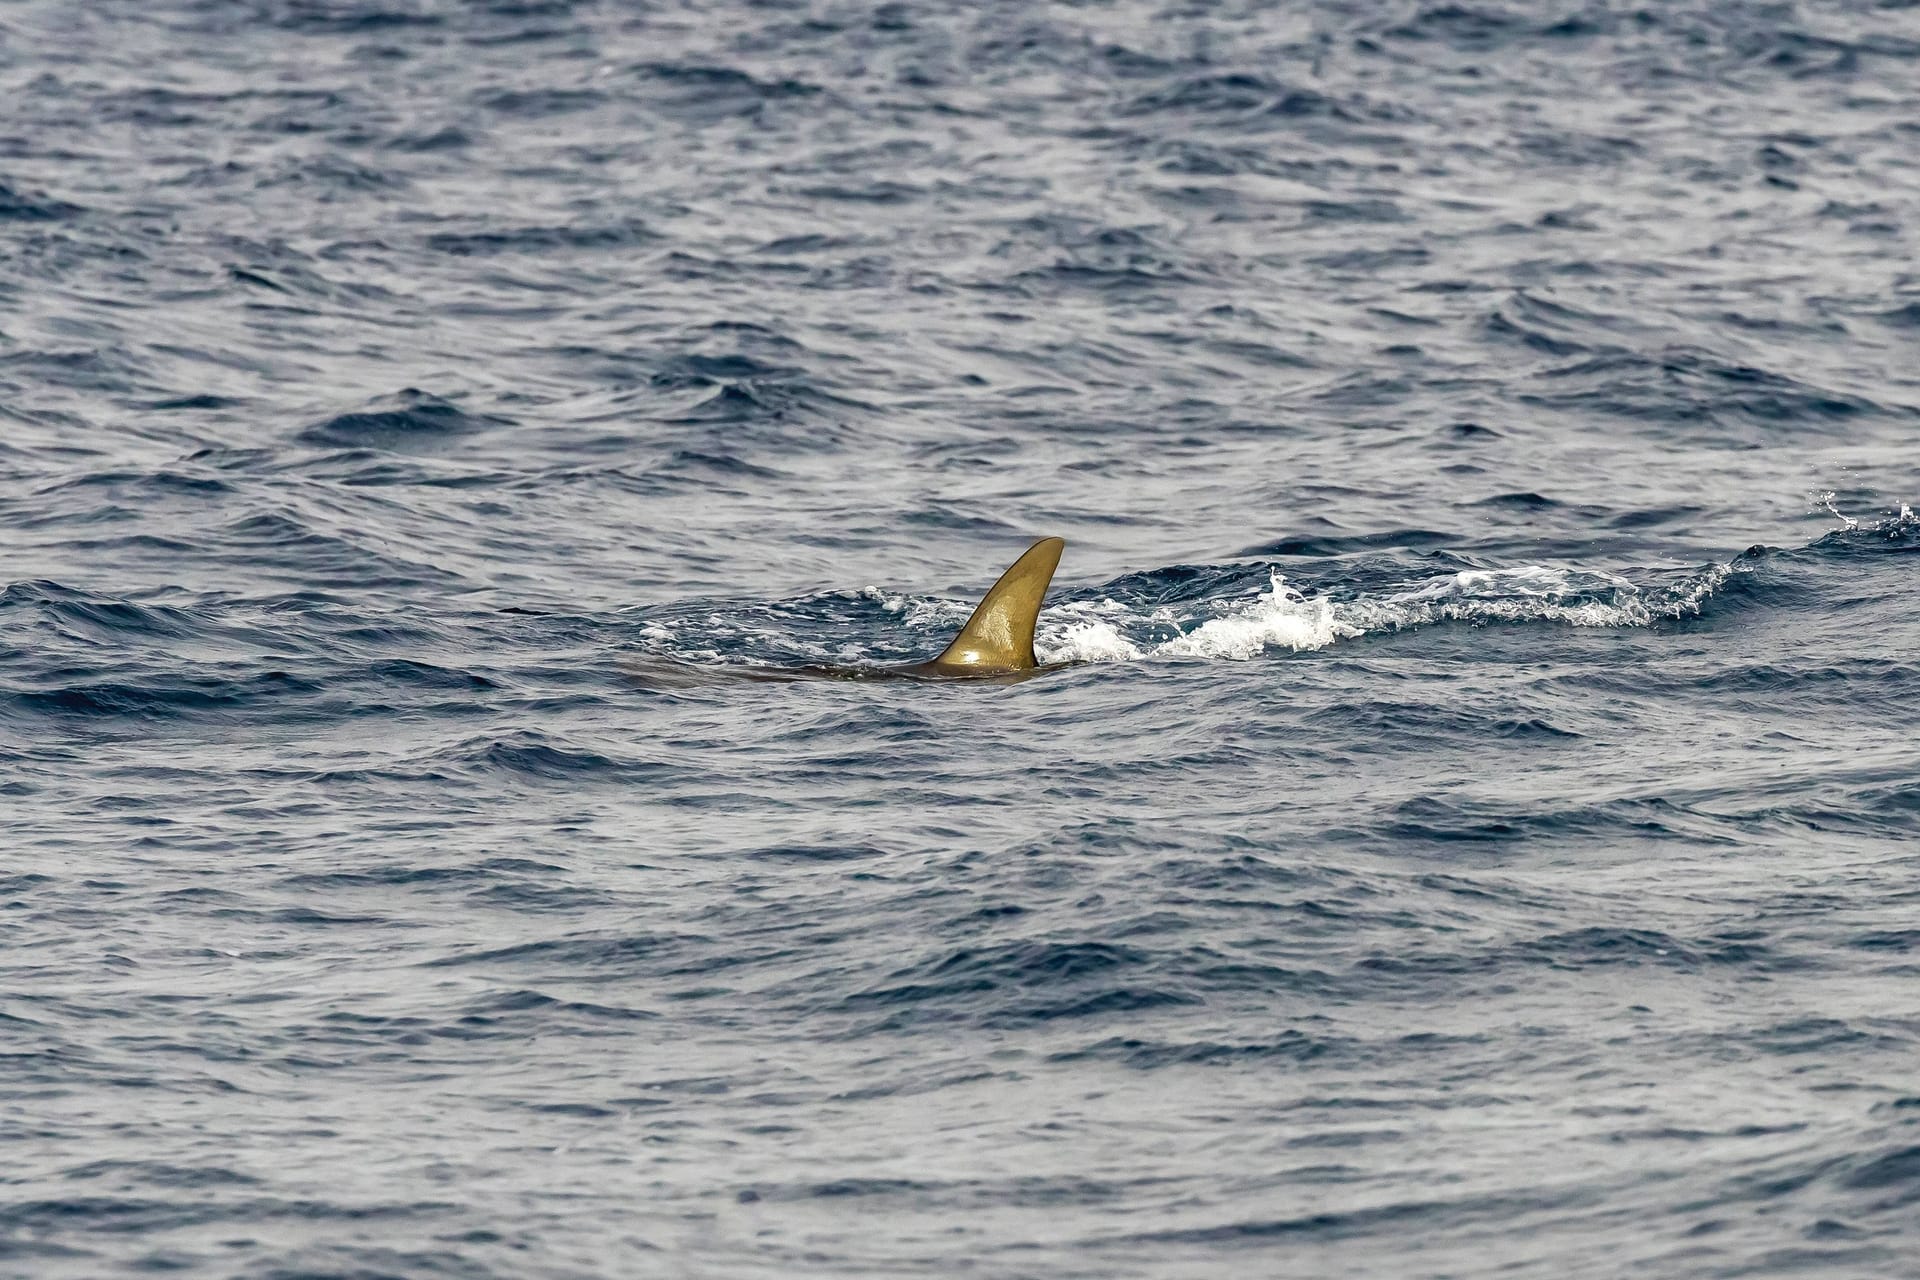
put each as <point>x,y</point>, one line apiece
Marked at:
<point>1278,618</point>
<point>1529,593</point>
<point>1090,641</point>
<point>1829,500</point>
<point>1282,618</point>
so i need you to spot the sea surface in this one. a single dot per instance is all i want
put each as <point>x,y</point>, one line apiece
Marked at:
<point>1474,832</point>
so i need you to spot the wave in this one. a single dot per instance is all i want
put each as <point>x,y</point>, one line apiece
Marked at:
<point>1240,611</point>
<point>1284,618</point>
<point>1236,612</point>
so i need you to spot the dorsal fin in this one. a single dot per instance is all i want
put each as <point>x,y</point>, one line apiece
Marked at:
<point>999,635</point>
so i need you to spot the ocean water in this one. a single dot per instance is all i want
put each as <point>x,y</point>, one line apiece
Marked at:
<point>1476,834</point>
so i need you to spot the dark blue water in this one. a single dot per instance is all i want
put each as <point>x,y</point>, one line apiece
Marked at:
<point>1478,837</point>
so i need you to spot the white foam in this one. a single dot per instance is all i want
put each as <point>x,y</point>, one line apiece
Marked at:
<point>1282,618</point>
<point>1089,641</point>
<point>920,613</point>
<point>1277,618</point>
<point>1526,593</point>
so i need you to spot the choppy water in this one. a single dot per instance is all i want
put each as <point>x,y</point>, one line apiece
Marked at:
<point>1478,840</point>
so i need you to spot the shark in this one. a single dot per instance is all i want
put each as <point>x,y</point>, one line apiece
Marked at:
<point>996,644</point>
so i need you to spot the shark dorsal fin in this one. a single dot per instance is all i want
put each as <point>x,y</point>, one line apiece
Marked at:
<point>999,635</point>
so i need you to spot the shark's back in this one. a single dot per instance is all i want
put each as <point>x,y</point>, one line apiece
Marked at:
<point>996,643</point>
